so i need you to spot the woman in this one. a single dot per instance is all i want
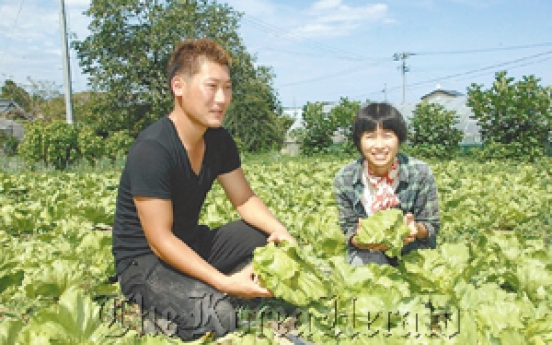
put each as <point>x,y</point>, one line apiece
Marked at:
<point>383,178</point>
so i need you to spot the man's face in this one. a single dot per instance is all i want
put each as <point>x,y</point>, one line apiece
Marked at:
<point>206,95</point>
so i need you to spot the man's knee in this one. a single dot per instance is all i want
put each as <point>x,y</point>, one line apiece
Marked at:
<point>213,313</point>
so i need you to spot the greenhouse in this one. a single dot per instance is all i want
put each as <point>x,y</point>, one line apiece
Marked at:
<point>453,101</point>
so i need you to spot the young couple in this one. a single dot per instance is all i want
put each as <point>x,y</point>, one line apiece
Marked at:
<point>182,271</point>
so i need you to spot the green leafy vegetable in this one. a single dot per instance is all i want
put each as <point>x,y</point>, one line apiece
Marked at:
<point>489,281</point>
<point>385,227</point>
<point>289,274</point>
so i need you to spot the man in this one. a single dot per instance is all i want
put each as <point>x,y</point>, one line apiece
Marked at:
<point>165,261</point>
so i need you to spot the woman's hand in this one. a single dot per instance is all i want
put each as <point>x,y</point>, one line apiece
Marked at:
<point>417,230</point>
<point>371,246</point>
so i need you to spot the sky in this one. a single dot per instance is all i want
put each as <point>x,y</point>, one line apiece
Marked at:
<point>328,49</point>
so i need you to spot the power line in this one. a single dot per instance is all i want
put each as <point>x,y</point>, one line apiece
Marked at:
<point>323,77</point>
<point>486,68</point>
<point>474,51</point>
<point>405,69</point>
<point>475,72</point>
<point>355,69</point>
<point>315,45</point>
<point>13,28</point>
<point>480,73</point>
<point>404,55</point>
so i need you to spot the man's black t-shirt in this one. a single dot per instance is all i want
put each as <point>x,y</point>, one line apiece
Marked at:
<point>157,166</point>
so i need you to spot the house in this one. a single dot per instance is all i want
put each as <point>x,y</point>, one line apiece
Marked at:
<point>9,111</point>
<point>291,145</point>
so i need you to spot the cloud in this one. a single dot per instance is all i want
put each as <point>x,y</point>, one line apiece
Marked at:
<point>331,18</point>
<point>326,5</point>
<point>30,38</point>
<point>27,22</point>
<point>40,21</point>
<point>321,19</point>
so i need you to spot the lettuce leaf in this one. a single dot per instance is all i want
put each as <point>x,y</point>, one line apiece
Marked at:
<point>385,227</point>
<point>286,270</point>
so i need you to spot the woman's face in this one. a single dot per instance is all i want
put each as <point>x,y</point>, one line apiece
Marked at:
<point>380,148</point>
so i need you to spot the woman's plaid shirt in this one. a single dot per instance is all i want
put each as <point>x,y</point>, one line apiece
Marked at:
<point>416,191</point>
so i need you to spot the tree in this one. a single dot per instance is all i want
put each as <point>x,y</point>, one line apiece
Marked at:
<point>320,126</point>
<point>55,143</point>
<point>47,101</point>
<point>316,134</point>
<point>128,50</point>
<point>85,105</point>
<point>343,116</point>
<point>19,95</point>
<point>264,129</point>
<point>433,131</point>
<point>515,118</point>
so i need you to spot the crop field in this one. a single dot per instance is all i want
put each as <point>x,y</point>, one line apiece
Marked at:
<point>488,282</point>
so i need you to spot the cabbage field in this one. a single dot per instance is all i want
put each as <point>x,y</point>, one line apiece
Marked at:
<point>488,282</point>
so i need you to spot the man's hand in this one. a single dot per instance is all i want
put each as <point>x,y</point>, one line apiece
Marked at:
<point>279,236</point>
<point>244,284</point>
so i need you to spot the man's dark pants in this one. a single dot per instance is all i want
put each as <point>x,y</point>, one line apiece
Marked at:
<point>194,306</point>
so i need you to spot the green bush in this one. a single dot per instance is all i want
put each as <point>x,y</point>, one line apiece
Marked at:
<point>433,131</point>
<point>530,151</point>
<point>8,144</point>
<point>316,135</point>
<point>515,118</point>
<point>60,144</point>
<point>427,151</point>
<point>117,145</point>
<point>53,144</point>
<point>91,145</point>
<point>31,148</point>
<point>343,116</point>
<point>319,127</point>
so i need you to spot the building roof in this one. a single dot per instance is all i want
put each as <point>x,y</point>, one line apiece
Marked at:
<point>8,106</point>
<point>439,91</point>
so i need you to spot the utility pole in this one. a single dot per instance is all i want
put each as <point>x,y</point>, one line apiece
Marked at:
<point>66,64</point>
<point>404,68</point>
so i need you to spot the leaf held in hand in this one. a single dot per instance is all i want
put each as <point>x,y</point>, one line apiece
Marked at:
<point>385,227</point>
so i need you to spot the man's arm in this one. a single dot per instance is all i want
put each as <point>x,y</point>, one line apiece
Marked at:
<point>250,207</point>
<point>156,217</point>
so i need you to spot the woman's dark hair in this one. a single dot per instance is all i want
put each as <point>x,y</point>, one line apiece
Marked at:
<point>370,116</point>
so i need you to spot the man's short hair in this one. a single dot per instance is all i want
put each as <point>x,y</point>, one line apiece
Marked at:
<point>370,116</point>
<point>189,55</point>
